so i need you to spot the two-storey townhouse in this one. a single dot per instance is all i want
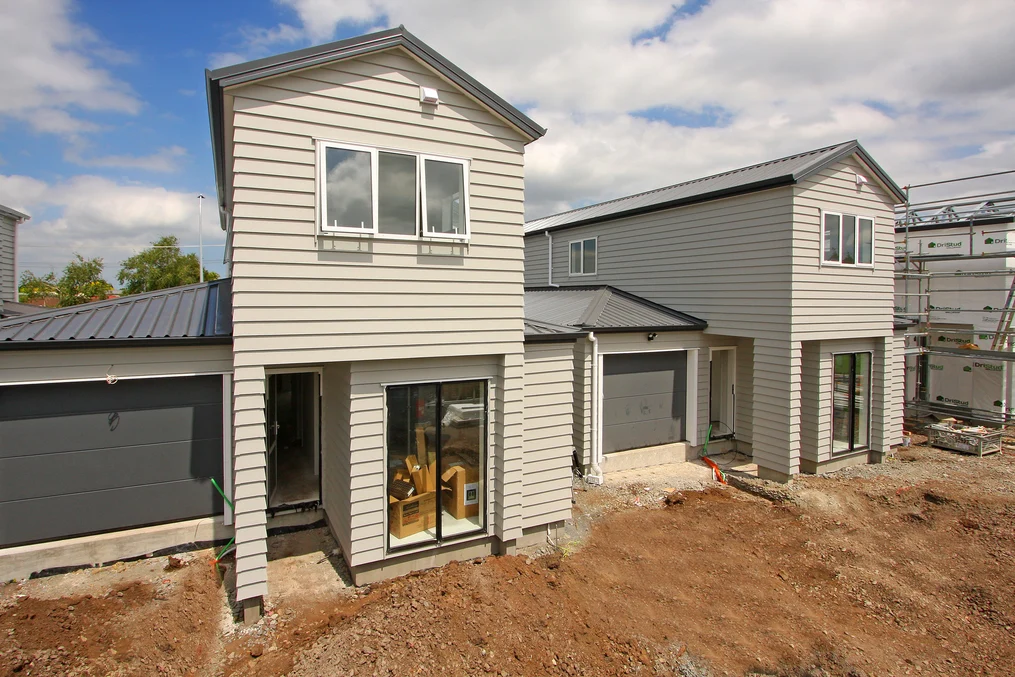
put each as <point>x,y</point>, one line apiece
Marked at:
<point>790,262</point>
<point>362,364</point>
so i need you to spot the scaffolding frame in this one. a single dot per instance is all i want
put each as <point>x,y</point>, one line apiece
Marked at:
<point>976,211</point>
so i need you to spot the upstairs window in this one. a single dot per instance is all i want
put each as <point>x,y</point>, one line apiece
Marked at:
<point>583,257</point>
<point>380,192</point>
<point>847,239</point>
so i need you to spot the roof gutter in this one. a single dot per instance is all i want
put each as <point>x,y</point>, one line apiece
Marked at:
<point>662,328</point>
<point>116,343</point>
<point>556,338</point>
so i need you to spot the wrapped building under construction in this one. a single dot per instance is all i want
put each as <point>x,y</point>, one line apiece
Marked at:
<point>955,281</point>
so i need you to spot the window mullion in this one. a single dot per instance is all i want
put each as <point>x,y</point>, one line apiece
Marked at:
<point>375,174</point>
<point>438,444</point>
<point>422,195</point>
<point>852,403</point>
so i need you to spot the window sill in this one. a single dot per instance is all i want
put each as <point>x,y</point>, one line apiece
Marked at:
<point>833,264</point>
<point>432,546</point>
<point>582,274</point>
<point>393,238</point>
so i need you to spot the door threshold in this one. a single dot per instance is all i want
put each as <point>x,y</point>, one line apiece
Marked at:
<point>289,508</point>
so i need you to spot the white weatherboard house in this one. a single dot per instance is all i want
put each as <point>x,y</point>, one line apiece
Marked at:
<point>791,265</point>
<point>9,221</point>
<point>375,360</point>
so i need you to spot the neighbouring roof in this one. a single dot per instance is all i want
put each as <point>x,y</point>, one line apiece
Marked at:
<point>782,172</point>
<point>15,309</point>
<point>577,310</point>
<point>195,313</point>
<point>219,79</point>
<point>13,214</point>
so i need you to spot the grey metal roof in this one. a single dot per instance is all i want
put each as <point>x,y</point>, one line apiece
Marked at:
<point>195,313</point>
<point>535,328</point>
<point>781,172</point>
<point>217,80</point>
<point>599,308</point>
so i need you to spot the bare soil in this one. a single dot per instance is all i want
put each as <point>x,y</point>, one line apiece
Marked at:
<point>899,569</point>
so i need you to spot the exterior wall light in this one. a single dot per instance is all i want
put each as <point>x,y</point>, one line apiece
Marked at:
<point>652,336</point>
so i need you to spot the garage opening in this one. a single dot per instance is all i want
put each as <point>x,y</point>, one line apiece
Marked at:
<point>84,458</point>
<point>294,460</point>
<point>644,400</point>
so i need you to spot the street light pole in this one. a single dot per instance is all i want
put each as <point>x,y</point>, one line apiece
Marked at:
<point>200,238</point>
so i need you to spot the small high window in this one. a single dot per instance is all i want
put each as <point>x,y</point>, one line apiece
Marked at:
<point>367,190</point>
<point>847,239</point>
<point>583,257</point>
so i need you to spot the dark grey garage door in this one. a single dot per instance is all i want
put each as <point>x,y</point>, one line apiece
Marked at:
<point>644,399</point>
<point>80,458</point>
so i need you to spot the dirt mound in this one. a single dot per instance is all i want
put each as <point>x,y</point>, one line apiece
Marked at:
<point>901,569</point>
<point>169,628</point>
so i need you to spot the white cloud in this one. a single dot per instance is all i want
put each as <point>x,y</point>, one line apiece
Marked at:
<point>926,85</point>
<point>95,216</point>
<point>256,42</point>
<point>165,160</point>
<point>50,71</point>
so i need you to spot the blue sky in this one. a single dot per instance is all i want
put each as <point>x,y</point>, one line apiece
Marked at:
<point>103,120</point>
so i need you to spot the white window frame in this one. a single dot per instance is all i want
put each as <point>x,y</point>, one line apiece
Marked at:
<point>856,239</point>
<point>582,241</point>
<point>421,225</point>
<point>422,191</point>
<point>322,186</point>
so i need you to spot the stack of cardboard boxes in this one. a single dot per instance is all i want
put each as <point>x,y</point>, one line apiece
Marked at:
<point>412,492</point>
<point>412,498</point>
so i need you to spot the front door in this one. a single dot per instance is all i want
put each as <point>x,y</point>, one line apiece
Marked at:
<point>722,392</point>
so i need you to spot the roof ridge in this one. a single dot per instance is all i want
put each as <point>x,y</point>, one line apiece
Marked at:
<point>793,156</point>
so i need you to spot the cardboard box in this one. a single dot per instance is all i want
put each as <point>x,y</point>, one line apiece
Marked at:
<point>412,515</point>
<point>459,496</point>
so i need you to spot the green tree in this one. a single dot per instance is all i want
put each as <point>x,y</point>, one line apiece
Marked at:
<point>159,267</point>
<point>82,282</point>
<point>32,287</point>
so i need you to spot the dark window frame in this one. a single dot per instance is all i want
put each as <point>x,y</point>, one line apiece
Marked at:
<point>484,502</point>
<point>851,413</point>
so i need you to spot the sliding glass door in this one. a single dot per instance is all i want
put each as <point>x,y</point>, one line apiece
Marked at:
<point>436,461</point>
<point>851,402</point>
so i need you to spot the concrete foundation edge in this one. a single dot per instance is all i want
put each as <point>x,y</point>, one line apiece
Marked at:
<point>677,452</point>
<point>392,567</point>
<point>860,458</point>
<point>24,560</point>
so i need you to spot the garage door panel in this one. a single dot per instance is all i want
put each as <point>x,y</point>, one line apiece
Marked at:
<point>627,385</point>
<point>75,472</point>
<point>50,518</point>
<point>647,434</point>
<point>21,402</point>
<point>113,428</point>
<point>643,408</point>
